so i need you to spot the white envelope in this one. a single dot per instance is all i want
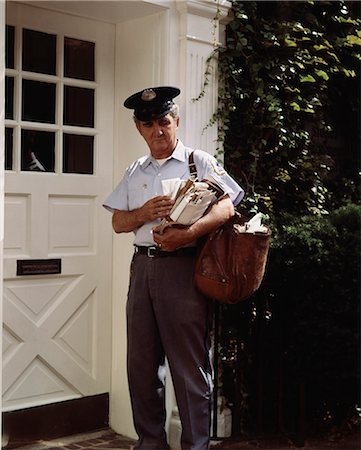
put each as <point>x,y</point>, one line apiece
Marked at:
<point>171,186</point>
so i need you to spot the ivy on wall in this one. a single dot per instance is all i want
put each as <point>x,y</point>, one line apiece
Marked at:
<point>289,129</point>
<point>280,72</point>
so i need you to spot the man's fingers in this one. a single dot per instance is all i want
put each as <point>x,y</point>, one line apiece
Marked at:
<point>164,202</point>
<point>163,206</point>
<point>158,207</point>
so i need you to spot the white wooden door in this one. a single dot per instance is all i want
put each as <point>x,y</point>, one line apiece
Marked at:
<point>57,267</point>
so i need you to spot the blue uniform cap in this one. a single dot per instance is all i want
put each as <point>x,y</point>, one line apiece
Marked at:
<point>152,103</point>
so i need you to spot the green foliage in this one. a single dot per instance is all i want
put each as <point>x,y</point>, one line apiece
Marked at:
<point>300,332</point>
<point>315,275</point>
<point>289,127</point>
<point>279,74</point>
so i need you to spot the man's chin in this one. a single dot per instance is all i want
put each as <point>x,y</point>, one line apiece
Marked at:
<point>159,146</point>
<point>160,142</point>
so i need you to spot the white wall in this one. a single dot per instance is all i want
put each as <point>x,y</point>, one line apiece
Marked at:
<point>171,48</point>
<point>140,62</point>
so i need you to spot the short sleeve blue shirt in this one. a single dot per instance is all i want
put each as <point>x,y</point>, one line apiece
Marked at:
<point>143,180</point>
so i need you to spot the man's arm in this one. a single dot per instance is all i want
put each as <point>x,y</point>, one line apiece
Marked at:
<point>175,237</point>
<point>155,208</point>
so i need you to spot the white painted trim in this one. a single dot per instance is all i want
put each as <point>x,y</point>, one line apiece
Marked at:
<point>205,8</point>
<point>2,172</point>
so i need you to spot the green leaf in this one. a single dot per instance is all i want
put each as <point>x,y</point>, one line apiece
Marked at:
<point>290,89</point>
<point>300,65</point>
<point>320,47</point>
<point>295,106</point>
<point>353,40</point>
<point>348,73</point>
<point>290,42</point>
<point>234,25</point>
<point>283,175</point>
<point>322,74</point>
<point>334,56</point>
<point>307,79</point>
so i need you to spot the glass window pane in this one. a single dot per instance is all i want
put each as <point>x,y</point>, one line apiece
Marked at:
<point>10,47</point>
<point>9,133</point>
<point>78,154</point>
<point>39,52</point>
<point>37,151</point>
<point>38,101</point>
<point>78,106</point>
<point>79,59</point>
<point>9,97</point>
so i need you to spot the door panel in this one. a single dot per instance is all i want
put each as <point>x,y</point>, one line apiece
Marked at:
<point>57,326</point>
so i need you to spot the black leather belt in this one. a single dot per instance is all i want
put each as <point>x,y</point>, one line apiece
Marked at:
<point>153,252</point>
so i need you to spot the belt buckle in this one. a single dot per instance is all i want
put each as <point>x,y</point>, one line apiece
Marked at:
<point>151,252</point>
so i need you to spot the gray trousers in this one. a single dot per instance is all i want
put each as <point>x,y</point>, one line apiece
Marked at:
<point>167,317</point>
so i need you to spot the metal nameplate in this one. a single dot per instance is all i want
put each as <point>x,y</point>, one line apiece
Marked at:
<point>38,266</point>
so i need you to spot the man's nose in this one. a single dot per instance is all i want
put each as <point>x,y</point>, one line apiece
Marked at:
<point>158,130</point>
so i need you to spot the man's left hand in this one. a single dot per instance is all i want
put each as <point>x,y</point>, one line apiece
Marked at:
<point>172,237</point>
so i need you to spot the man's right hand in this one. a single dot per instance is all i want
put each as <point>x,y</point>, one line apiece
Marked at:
<point>156,208</point>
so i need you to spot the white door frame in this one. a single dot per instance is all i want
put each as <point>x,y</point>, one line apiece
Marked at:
<point>2,158</point>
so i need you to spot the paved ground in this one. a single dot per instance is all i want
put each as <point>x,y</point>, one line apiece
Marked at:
<point>107,439</point>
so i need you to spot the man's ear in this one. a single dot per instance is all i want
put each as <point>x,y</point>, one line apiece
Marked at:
<point>177,122</point>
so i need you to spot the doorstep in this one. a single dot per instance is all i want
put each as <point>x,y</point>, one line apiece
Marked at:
<point>99,440</point>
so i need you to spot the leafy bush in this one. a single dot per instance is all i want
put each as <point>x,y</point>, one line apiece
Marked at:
<point>289,104</point>
<point>289,126</point>
<point>299,334</point>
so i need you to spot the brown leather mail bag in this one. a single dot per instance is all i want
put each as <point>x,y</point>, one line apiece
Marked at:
<point>230,264</point>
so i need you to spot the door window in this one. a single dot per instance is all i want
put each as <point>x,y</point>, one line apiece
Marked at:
<point>79,59</point>
<point>39,52</point>
<point>49,103</point>
<point>9,97</point>
<point>38,101</point>
<point>78,106</point>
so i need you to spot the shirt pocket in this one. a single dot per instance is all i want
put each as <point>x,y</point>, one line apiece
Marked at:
<point>137,196</point>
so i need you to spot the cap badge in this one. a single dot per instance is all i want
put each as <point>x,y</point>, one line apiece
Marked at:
<point>148,95</point>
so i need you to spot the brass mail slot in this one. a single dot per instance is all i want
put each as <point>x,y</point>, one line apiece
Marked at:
<point>38,266</point>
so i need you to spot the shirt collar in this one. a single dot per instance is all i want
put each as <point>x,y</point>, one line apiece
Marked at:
<point>178,153</point>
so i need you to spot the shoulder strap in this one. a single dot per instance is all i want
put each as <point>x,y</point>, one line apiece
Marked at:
<point>192,166</point>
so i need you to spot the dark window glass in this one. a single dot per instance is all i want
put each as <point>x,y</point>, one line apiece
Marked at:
<point>9,132</point>
<point>9,97</point>
<point>78,106</point>
<point>10,47</point>
<point>78,154</point>
<point>38,101</point>
<point>39,52</point>
<point>37,151</point>
<point>79,59</point>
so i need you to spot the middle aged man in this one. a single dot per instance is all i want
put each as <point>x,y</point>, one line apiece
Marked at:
<point>166,315</point>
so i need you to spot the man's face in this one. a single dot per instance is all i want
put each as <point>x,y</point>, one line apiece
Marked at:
<point>160,135</point>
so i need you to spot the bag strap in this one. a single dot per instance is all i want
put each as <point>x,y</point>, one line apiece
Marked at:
<point>192,166</point>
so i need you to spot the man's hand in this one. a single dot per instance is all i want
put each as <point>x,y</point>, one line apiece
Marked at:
<point>155,208</point>
<point>174,236</point>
